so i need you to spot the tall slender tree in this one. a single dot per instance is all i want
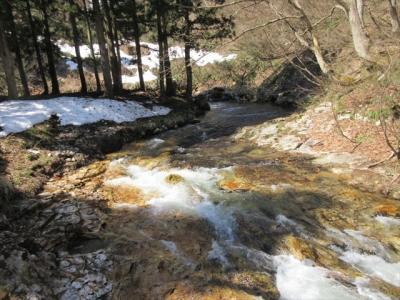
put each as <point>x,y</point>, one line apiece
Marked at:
<point>90,40</point>
<point>55,89</point>
<point>110,38</point>
<point>16,47</point>
<point>37,48</point>
<point>169,83</point>
<point>75,33</point>
<point>160,49</point>
<point>105,62</point>
<point>137,35</point>
<point>8,62</point>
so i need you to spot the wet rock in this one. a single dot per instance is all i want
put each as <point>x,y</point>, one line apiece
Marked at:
<point>300,248</point>
<point>234,185</point>
<point>387,209</point>
<point>174,179</point>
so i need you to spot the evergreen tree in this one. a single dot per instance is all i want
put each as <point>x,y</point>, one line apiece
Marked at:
<point>197,27</point>
<point>73,10</point>
<point>55,89</point>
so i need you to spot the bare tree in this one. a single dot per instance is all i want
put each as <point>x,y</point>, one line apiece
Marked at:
<point>314,45</point>
<point>354,11</point>
<point>394,16</point>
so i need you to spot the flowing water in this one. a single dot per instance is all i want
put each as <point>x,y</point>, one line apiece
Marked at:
<point>197,214</point>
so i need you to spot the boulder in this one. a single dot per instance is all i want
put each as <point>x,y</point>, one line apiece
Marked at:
<point>289,85</point>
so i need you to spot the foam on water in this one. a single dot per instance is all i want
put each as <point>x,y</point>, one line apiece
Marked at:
<point>302,280</point>
<point>190,196</point>
<point>364,290</point>
<point>374,266</point>
<point>388,221</point>
<point>218,253</point>
<point>171,247</point>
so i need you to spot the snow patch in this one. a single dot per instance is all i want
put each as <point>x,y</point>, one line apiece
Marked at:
<point>20,115</point>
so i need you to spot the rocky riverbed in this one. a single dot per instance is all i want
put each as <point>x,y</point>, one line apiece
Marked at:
<point>198,213</point>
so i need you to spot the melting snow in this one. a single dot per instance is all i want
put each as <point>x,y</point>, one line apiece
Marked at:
<point>19,115</point>
<point>150,61</point>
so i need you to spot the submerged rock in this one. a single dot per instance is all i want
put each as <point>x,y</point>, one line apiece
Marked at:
<point>174,179</point>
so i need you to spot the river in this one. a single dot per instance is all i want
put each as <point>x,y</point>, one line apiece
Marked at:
<point>197,214</point>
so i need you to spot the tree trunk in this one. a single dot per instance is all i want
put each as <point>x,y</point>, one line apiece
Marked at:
<point>394,16</point>
<point>360,10</point>
<point>17,50</point>
<point>103,49</point>
<point>75,34</point>
<point>160,54</point>
<point>55,89</point>
<point>90,38</point>
<point>188,63</point>
<point>37,49</point>
<point>170,90</point>
<point>117,47</point>
<point>8,63</point>
<point>315,47</point>
<point>360,38</point>
<point>111,47</point>
<point>137,45</point>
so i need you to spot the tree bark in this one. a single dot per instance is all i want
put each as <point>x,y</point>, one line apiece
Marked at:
<point>55,89</point>
<point>103,49</point>
<point>37,49</point>
<point>360,38</point>
<point>8,63</point>
<point>137,45</point>
<point>188,63</point>
<point>111,47</point>
<point>169,90</point>
<point>17,49</point>
<point>360,10</point>
<point>76,38</point>
<point>160,53</point>
<point>394,16</point>
<point>90,38</point>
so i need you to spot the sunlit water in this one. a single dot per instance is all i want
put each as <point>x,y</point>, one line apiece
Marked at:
<point>288,196</point>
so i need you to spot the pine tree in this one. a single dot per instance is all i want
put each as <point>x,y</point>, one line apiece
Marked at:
<point>37,48</point>
<point>55,89</point>
<point>198,27</point>
<point>76,37</point>
<point>8,62</point>
<point>15,45</point>
<point>137,44</point>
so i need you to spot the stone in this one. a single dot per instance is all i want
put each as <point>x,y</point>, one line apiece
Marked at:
<point>174,179</point>
<point>343,158</point>
<point>289,142</point>
<point>387,209</point>
<point>234,185</point>
<point>299,248</point>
